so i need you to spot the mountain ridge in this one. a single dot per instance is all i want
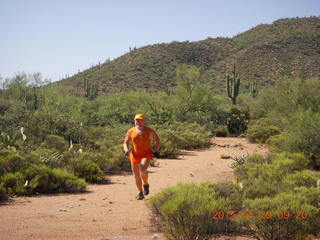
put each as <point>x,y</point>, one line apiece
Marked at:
<point>287,47</point>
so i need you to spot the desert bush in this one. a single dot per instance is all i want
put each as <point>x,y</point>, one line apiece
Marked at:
<point>262,180</point>
<point>289,162</point>
<point>261,130</point>
<point>302,135</point>
<point>13,183</point>
<point>221,131</point>
<point>116,160</point>
<point>51,157</point>
<point>285,216</point>
<point>288,96</point>
<point>264,176</point>
<point>242,166</point>
<point>3,193</point>
<point>179,135</point>
<point>230,192</point>
<point>55,142</point>
<point>300,179</point>
<point>185,211</point>
<point>237,120</point>
<point>169,143</point>
<point>120,107</point>
<point>190,136</point>
<point>86,169</point>
<point>42,179</point>
<point>11,162</point>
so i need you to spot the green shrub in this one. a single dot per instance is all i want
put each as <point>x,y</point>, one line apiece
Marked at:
<point>42,179</point>
<point>51,157</point>
<point>68,182</point>
<point>190,136</point>
<point>243,164</point>
<point>186,210</point>
<point>169,143</point>
<point>221,131</point>
<point>300,179</point>
<point>116,160</point>
<point>262,180</point>
<point>289,162</point>
<point>11,162</point>
<point>69,129</point>
<point>228,191</point>
<point>13,183</point>
<point>179,135</point>
<point>264,176</point>
<point>86,169</point>
<point>55,142</point>
<point>3,193</point>
<point>269,216</point>
<point>237,120</point>
<point>302,135</point>
<point>261,130</point>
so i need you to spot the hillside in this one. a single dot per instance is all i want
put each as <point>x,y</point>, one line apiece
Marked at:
<point>287,47</point>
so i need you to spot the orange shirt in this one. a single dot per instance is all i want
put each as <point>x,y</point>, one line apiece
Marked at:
<point>141,143</point>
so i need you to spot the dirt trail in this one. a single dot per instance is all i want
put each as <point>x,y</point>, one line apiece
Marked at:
<point>111,211</point>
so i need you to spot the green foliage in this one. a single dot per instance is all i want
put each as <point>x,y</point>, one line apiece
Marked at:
<point>11,162</point>
<point>13,183</point>
<point>262,177</point>
<point>301,179</point>
<point>272,221</point>
<point>115,159</point>
<point>288,96</point>
<point>86,169</point>
<point>261,130</point>
<point>302,135</point>
<point>179,135</point>
<point>237,120</point>
<point>221,131</point>
<point>185,211</point>
<point>51,157</point>
<point>187,78</point>
<point>42,179</point>
<point>55,142</point>
<point>169,143</point>
<point>3,193</point>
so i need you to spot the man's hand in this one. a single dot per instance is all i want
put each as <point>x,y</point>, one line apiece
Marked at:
<point>156,154</point>
<point>126,153</point>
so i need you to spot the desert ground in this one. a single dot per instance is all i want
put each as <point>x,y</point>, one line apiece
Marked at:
<point>110,211</point>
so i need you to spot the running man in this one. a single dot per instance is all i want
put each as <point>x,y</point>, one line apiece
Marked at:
<point>140,137</point>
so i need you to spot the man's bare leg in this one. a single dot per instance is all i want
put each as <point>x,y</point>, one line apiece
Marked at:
<point>144,174</point>
<point>136,171</point>
<point>143,170</point>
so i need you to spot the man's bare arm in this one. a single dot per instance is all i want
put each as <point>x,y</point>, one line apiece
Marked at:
<point>156,138</point>
<point>126,143</point>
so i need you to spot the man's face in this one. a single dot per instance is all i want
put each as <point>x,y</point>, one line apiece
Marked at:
<point>139,123</point>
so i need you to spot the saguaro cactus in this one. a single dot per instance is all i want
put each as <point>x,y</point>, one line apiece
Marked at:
<point>233,84</point>
<point>254,89</point>
<point>90,89</point>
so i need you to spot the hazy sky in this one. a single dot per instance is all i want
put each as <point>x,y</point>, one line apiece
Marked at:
<point>56,37</point>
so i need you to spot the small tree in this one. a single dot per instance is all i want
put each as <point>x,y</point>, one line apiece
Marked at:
<point>233,85</point>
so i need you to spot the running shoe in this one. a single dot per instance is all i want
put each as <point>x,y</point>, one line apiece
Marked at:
<point>140,196</point>
<point>146,189</point>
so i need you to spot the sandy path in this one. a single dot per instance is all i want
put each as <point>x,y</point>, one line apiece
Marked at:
<point>111,211</point>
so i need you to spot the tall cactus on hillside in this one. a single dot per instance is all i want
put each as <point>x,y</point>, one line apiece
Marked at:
<point>90,89</point>
<point>254,89</point>
<point>233,85</point>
